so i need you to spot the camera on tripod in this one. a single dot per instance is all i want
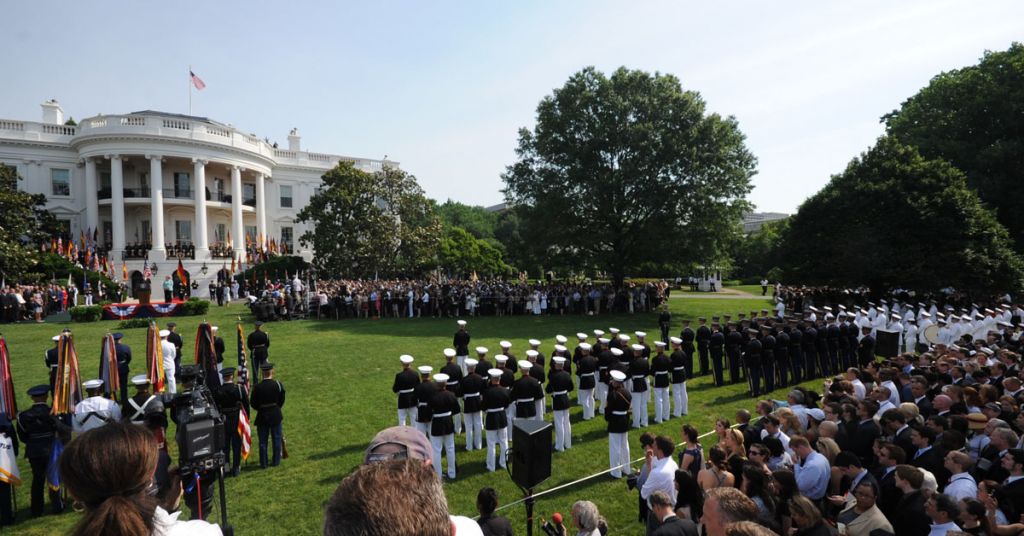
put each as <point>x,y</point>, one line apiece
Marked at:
<point>200,425</point>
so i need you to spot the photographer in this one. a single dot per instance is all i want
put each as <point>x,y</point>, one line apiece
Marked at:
<point>109,472</point>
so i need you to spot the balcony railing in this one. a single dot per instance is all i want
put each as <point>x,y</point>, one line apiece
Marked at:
<point>175,193</point>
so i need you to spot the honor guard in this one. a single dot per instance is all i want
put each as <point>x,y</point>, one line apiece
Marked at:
<point>496,400</point>
<point>461,343</point>
<point>613,339</point>
<point>94,411</point>
<point>537,373</point>
<point>664,322</point>
<point>454,373</point>
<point>581,338</point>
<point>559,386</point>
<point>174,338</point>
<point>810,347</point>
<point>506,350</point>
<point>562,350</point>
<point>687,338</point>
<point>472,387</point>
<point>641,339</point>
<point>796,350</point>
<point>258,343</point>
<point>424,392</point>
<point>866,348</point>
<point>268,399</point>
<point>147,409</point>
<point>716,343</point>
<point>525,391</point>
<point>535,346</point>
<point>782,359</point>
<point>638,370</point>
<point>231,399</point>
<point>50,358</point>
<point>507,377</point>
<point>605,360</point>
<point>481,359</point>
<point>680,372</point>
<point>768,357</point>
<point>586,370</point>
<point>37,429</point>
<point>405,387</point>
<point>703,337</point>
<point>752,359</point>
<point>617,417</point>
<point>169,358</point>
<point>444,406</point>
<point>218,348</point>
<point>733,347</point>
<point>124,357</point>
<point>661,368</point>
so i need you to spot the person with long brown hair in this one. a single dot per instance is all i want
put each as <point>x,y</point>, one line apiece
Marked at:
<point>109,473</point>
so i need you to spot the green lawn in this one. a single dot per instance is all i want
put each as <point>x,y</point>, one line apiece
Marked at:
<point>338,377</point>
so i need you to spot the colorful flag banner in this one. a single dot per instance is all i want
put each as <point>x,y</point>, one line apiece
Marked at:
<point>9,473</point>
<point>67,390</point>
<point>155,359</point>
<point>53,467</point>
<point>244,432</point>
<point>8,402</point>
<point>206,356</point>
<point>196,81</point>
<point>108,368</point>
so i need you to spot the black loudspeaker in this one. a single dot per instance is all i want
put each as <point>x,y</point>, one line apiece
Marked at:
<point>531,452</point>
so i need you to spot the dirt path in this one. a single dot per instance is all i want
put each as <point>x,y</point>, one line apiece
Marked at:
<point>724,294</point>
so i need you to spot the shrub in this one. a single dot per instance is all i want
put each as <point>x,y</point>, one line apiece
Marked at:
<point>195,307</point>
<point>134,323</point>
<point>86,313</point>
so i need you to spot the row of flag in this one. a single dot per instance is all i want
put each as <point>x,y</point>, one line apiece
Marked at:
<point>68,387</point>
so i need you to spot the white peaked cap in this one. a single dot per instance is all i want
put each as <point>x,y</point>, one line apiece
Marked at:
<point>558,360</point>
<point>406,359</point>
<point>637,347</point>
<point>494,372</point>
<point>470,362</point>
<point>164,333</point>
<point>616,352</point>
<point>560,339</point>
<point>534,342</point>
<point>505,344</point>
<point>618,375</point>
<point>525,365</point>
<point>560,348</point>
<point>675,340</point>
<point>92,384</point>
<point>461,322</point>
<point>449,352</point>
<point>581,336</point>
<point>585,346</point>
<point>659,344</point>
<point>640,333</point>
<point>441,378</point>
<point>532,353</point>
<point>481,350</point>
<point>426,369</point>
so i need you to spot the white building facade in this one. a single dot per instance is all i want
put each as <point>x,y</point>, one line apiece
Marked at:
<point>162,187</point>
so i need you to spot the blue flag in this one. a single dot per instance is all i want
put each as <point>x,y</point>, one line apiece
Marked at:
<point>53,468</point>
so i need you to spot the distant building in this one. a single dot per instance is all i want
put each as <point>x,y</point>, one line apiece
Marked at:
<point>499,208</point>
<point>753,221</point>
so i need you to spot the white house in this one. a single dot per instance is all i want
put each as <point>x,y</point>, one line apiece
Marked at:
<point>161,186</point>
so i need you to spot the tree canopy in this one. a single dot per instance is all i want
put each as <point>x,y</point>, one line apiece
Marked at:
<point>367,224</point>
<point>24,225</point>
<point>895,218</point>
<point>625,170</point>
<point>974,118</point>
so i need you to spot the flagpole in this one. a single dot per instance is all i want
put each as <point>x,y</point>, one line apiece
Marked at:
<point>190,91</point>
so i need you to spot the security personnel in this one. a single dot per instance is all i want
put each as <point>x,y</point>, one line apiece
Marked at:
<point>783,364</point>
<point>454,373</point>
<point>617,417</point>
<point>268,399</point>
<point>664,322</point>
<point>844,342</point>
<point>641,338</point>
<point>444,407</point>
<point>661,368</point>
<point>124,357</point>
<point>562,350</point>
<point>472,387</point>
<point>424,392</point>
<point>258,343</point>
<point>525,391</point>
<point>174,338</point>
<point>768,357</point>
<point>752,358</point>
<point>231,399</point>
<point>537,373</point>
<point>496,400</point>
<point>507,377</point>
<point>37,429</point>
<point>50,359</point>
<point>218,348</point>
<point>703,337</point>
<point>461,343</point>
<point>733,347</point>
<point>481,359</point>
<point>810,342</point>
<point>94,411</point>
<point>559,386</point>
<point>686,338</point>
<point>796,352</point>
<point>405,387</point>
<point>506,350</point>
<point>147,409</point>
<point>681,370</point>
<point>638,370</point>
<point>716,349</point>
<point>586,371</point>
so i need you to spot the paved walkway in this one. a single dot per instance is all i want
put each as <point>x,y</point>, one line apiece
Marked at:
<point>724,294</point>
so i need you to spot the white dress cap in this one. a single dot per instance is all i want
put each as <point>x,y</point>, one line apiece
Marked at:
<point>426,369</point>
<point>534,342</point>
<point>618,375</point>
<point>505,344</point>
<point>525,365</point>
<point>406,359</point>
<point>560,348</point>
<point>560,339</point>
<point>92,384</point>
<point>449,352</point>
<point>441,378</point>
<point>481,350</point>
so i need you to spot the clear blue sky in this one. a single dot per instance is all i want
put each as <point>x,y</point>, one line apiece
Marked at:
<point>444,86</point>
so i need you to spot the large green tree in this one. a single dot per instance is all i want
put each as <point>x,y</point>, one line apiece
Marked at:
<point>367,224</point>
<point>24,225</point>
<point>476,220</point>
<point>461,254</point>
<point>974,117</point>
<point>895,218</point>
<point>623,170</point>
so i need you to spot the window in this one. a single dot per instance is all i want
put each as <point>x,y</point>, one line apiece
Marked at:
<point>220,233</point>
<point>286,196</point>
<point>105,180</point>
<point>64,229</point>
<point>286,238</point>
<point>147,229</point>
<point>218,189</point>
<point>250,231</point>
<point>249,194</point>
<point>60,181</point>
<point>182,185</point>
<point>183,230</point>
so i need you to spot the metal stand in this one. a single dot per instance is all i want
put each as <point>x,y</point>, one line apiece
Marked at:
<point>529,512</point>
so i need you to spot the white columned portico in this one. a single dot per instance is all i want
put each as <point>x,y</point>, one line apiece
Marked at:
<point>156,186</point>
<point>92,203</point>
<point>261,209</point>
<point>238,241</point>
<point>201,240</point>
<point>116,206</point>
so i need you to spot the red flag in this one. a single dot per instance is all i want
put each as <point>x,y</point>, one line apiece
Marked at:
<point>8,402</point>
<point>244,432</point>
<point>196,81</point>
<point>124,270</point>
<point>181,273</point>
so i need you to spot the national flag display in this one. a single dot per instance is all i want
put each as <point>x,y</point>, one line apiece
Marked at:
<point>108,368</point>
<point>53,467</point>
<point>8,404</point>
<point>181,273</point>
<point>196,81</point>
<point>67,390</point>
<point>155,359</point>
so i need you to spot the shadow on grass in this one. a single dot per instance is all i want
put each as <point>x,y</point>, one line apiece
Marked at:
<point>348,449</point>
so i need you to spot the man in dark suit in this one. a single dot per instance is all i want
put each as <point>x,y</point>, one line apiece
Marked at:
<point>854,474</point>
<point>1012,500</point>
<point>863,440</point>
<point>889,457</point>
<point>490,524</point>
<point>895,424</point>
<point>918,393</point>
<point>910,518</point>
<point>866,347</point>
<point>928,457</point>
<point>663,521</point>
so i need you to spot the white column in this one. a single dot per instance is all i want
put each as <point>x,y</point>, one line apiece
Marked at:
<point>261,207</point>
<point>200,236</point>
<point>116,206</point>
<point>156,186</point>
<point>237,238</point>
<point>92,204</point>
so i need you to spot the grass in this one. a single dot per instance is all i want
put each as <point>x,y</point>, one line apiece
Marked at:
<point>338,377</point>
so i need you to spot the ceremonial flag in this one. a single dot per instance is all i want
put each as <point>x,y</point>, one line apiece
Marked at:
<point>196,81</point>
<point>69,280</point>
<point>155,359</point>
<point>67,390</point>
<point>108,368</point>
<point>181,273</point>
<point>81,239</point>
<point>124,270</point>
<point>244,432</point>
<point>206,356</point>
<point>53,467</point>
<point>146,272</point>
<point>242,372</point>
<point>95,235</point>
<point>8,403</point>
<point>9,473</point>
